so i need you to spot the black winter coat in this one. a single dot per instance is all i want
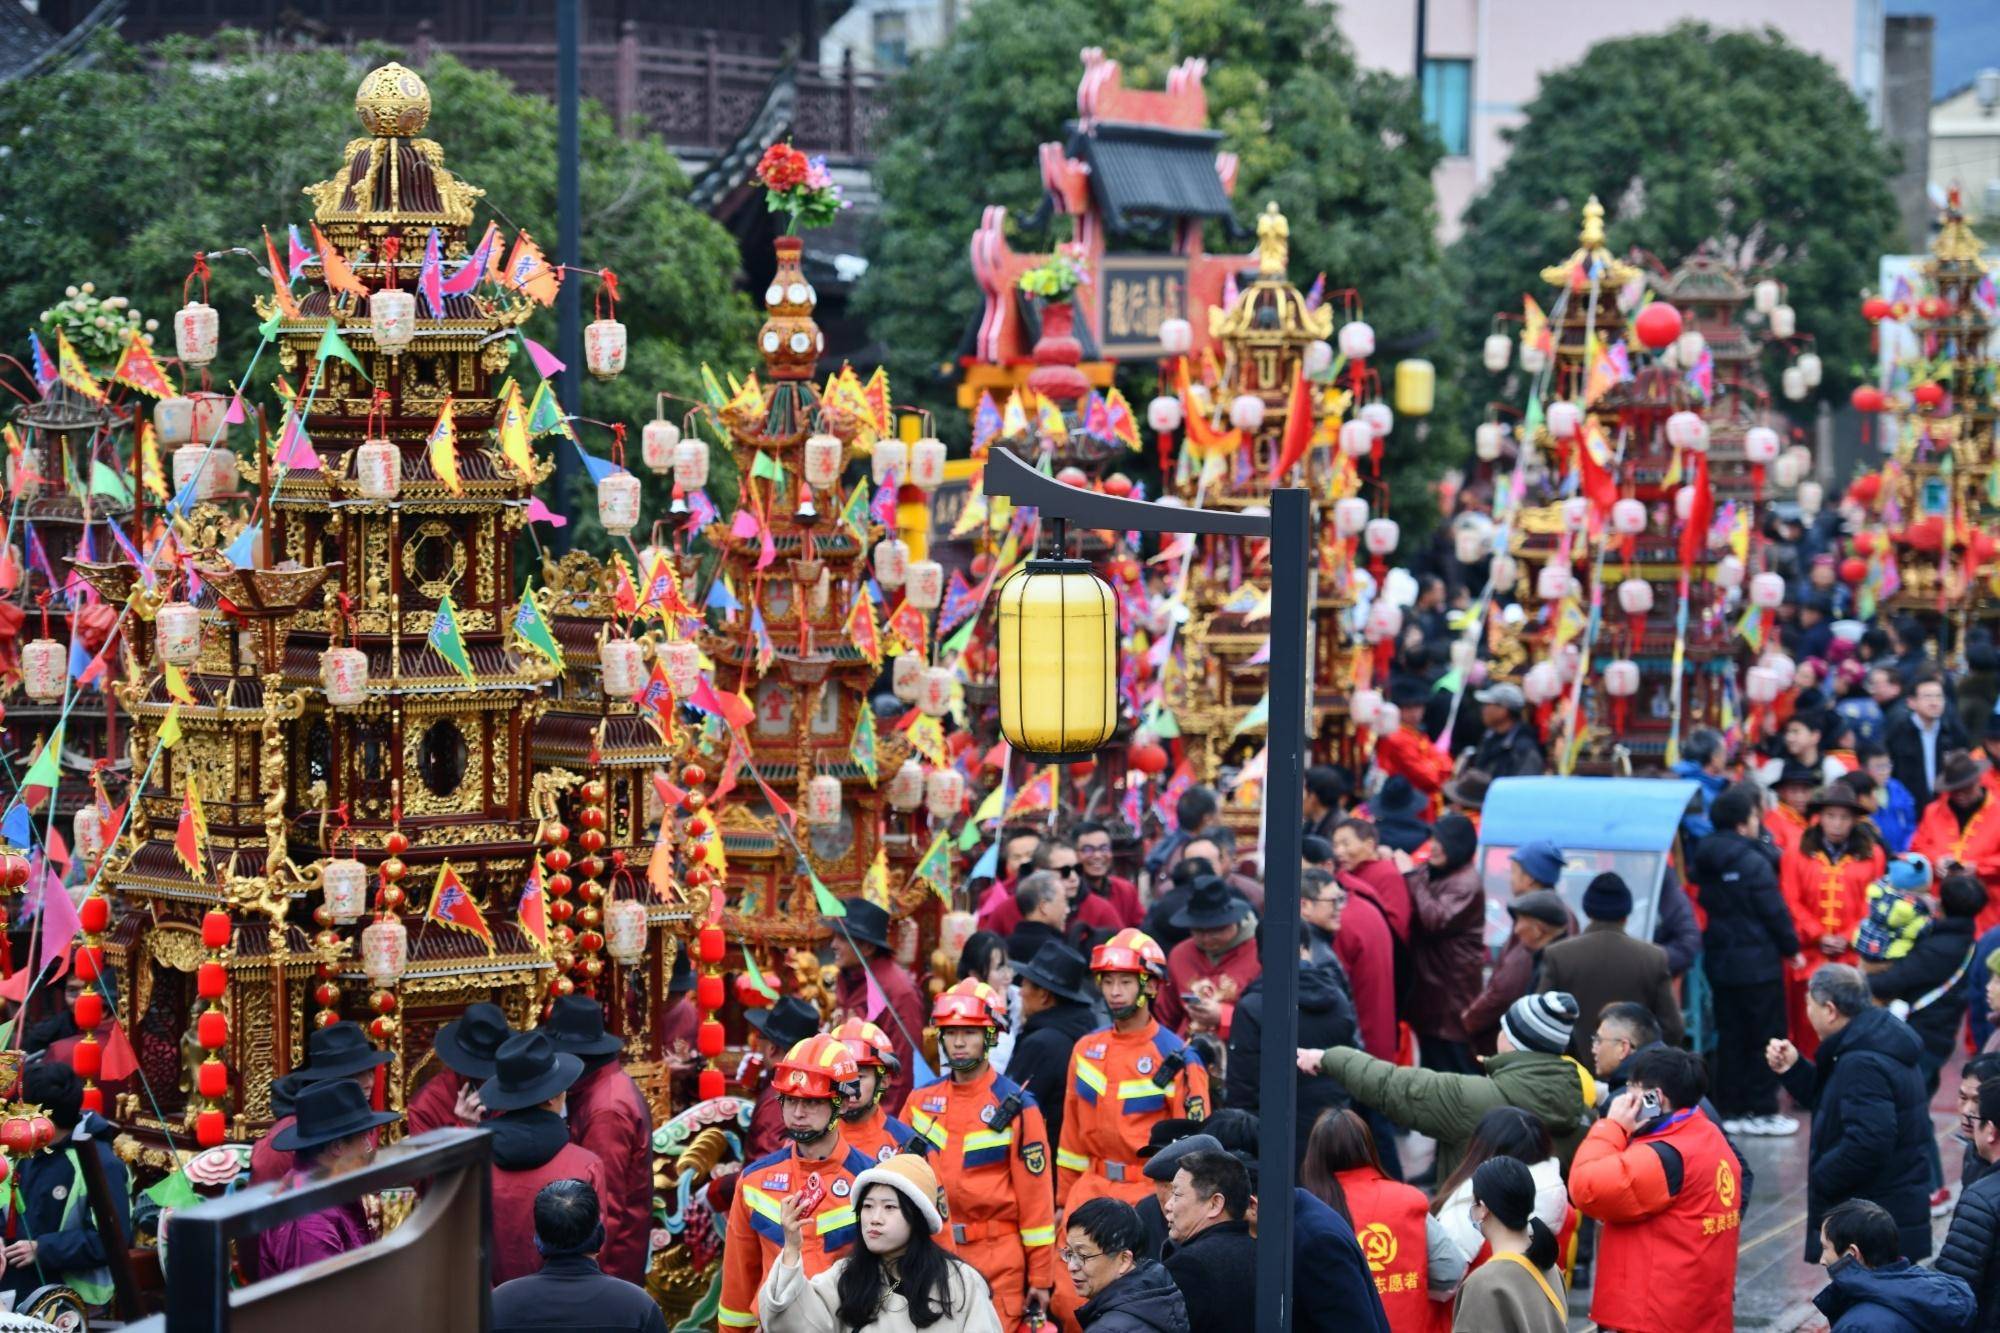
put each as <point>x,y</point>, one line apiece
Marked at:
<point>1871,1127</point>
<point>1939,955</point>
<point>1145,1300</point>
<point>1040,1062</point>
<point>1750,931</point>
<point>1326,1018</point>
<point>46,1182</point>
<point>1332,1288</point>
<point>1216,1272</point>
<point>1906,750</point>
<point>1676,930</point>
<point>575,1296</point>
<point>1515,754</point>
<point>1972,1248</point>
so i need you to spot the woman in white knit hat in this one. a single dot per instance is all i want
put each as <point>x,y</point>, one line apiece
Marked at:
<point>897,1281</point>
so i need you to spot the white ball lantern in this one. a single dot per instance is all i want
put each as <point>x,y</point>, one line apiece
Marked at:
<point>1498,352</point>
<point>924,586</point>
<point>1356,439</point>
<point>1489,441</point>
<point>385,951</point>
<point>1792,383</point>
<point>1781,666</point>
<point>1533,359</point>
<point>1357,340</point>
<point>1472,538</point>
<point>906,676</point>
<point>1164,414</point>
<point>196,333</point>
<point>1621,678</point>
<point>823,800</point>
<point>205,472</point>
<point>1364,705</point>
<point>44,670</point>
<point>1760,685</point>
<point>1784,321</point>
<point>1760,444</point>
<point>1464,654</point>
<point>1575,513</point>
<point>1541,683</point>
<point>618,503</point>
<point>822,460</point>
<point>1176,336</point>
<point>890,458</point>
<point>1381,535</point>
<point>1635,597</point>
<point>681,660</point>
<point>1728,572</point>
<point>177,634</point>
<point>934,692</point>
<point>944,793</point>
<point>1689,347</point>
<point>1811,498</point>
<point>1785,471</point>
<point>657,441</point>
<point>173,420</point>
<point>1350,516</point>
<point>1767,590</point>
<point>1811,368</point>
<point>1378,417</point>
<point>1318,357</point>
<point>1684,503</point>
<point>1564,419</point>
<point>1384,622</point>
<point>345,882</point>
<point>1628,517</point>
<point>1554,581</point>
<point>892,562</point>
<point>392,319</point>
<point>625,930</point>
<point>604,348</point>
<point>343,673</point>
<point>1764,297</point>
<point>927,464</point>
<point>1506,573</point>
<point>1687,430</point>
<point>378,470</point>
<point>691,465</point>
<point>1246,411</point>
<point>906,787</point>
<point>623,662</point>
<point>1388,719</point>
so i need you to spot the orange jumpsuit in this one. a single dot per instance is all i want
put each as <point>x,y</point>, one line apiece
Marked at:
<point>1975,845</point>
<point>1003,1213</point>
<point>880,1135</point>
<point>1827,898</point>
<point>756,1233</point>
<point>1111,1104</point>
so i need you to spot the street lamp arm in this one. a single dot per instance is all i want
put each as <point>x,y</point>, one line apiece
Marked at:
<point>1008,475</point>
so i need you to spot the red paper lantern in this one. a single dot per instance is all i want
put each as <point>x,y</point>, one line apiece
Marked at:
<point>89,1011</point>
<point>212,1030</point>
<point>87,1058</point>
<point>1658,324</point>
<point>1853,571</point>
<point>1928,395</point>
<point>94,914</point>
<point>708,992</point>
<point>708,1039</point>
<point>1865,491</point>
<point>90,963</point>
<point>17,1136</point>
<point>211,980</point>
<point>216,929</point>
<point>92,1101</point>
<point>1073,476</point>
<point>709,1086</point>
<point>1868,398</point>
<point>44,1131</point>
<point>1875,309</point>
<point>1147,758</point>
<point>209,1128</point>
<point>711,944</point>
<point>1118,484</point>
<point>212,1079</point>
<point>1932,308</point>
<point>748,995</point>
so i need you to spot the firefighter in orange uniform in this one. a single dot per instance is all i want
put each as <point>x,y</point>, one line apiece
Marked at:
<point>987,1140</point>
<point>863,1122</point>
<point>812,1082</point>
<point>1123,1079</point>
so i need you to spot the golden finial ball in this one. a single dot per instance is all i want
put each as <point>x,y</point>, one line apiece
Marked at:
<point>393,100</point>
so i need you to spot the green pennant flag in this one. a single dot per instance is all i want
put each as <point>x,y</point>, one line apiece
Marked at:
<point>828,904</point>
<point>955,645</point>
<point>45,773</point>
<point>1531,421</point>
<point>862,747</point>
<point>1258,716</point>
<point>1751,628</point>
<point>756,974</point>
<point>173,1191</point>
<point>935,869</point>
<point>545,414</point>
<point>969,836</point>
<point>106,482</point>
<point>532,628</point>
<point>447,642</point>
<point>269,328</point>
<point>330,344</point>
<point>1451,682</point>
<point>765,466</point>
<point>711,388</point>
<point>855,512</point>
<point>1163,723</point>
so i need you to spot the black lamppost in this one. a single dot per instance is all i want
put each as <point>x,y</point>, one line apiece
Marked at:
<point>1058,691</point>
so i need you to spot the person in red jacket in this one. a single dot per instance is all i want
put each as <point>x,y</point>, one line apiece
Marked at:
<point>1209,970</point>
<point>874,986</point>
<point>339,1050</point>
<point>1658,1176</point>
<point>864,1125</point>
<point>526,1098</point>
<point>1357,848</point>
<point>1794,788</point>
<point>465,1047</point>
<point>1093,849</point>
<point>778,1029</point>
<point>1825,882</point>
<point>609,1116</point>
<point>1961,828</point>
<point>1087,914</point>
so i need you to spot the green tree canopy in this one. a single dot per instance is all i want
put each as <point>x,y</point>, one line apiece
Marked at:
<point>1344,153</point>
<point>1686,137</point>
<point>119,170</point>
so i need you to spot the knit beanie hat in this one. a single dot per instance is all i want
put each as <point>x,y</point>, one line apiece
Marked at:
<point>1607,899</point>
<point>912,1177</point>
<point>1541,1022</point>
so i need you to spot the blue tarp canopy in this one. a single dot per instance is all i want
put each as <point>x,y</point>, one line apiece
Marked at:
<point>1609,814</point>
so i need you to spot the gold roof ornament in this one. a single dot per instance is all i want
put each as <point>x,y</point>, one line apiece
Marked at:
<point>1955,250</point>
<point>1590,255</point>
<point>387,177</point>
<point>393,101</point>
<point>1271,312</point>
<point>1274,242</point>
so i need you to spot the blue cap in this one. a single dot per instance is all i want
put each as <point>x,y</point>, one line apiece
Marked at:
<point>1909,874</point>
<point>1541,859</point>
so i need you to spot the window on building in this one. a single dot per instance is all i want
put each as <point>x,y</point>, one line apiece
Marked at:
<point>1447,88</point>
<point>892,39</point>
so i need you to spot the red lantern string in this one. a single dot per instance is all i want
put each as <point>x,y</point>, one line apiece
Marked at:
<point>618,443</point>
<point>199,273</point>
<point>392,245</point>
<point>607,293</point>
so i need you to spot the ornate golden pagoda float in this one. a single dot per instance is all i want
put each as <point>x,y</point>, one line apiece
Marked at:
<point>1936,500</point>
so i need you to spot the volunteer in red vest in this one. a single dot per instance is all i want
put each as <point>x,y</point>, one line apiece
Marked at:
<point>991,1152</point>
<point>609,1116</point>
<point>465,1047</point>
<point>1416,1264</point>
<point>339,1050</point>
<point>811,1082</point>
<point>1659,1178</point>
<point>526,1097</point>
<point>863,1122</point>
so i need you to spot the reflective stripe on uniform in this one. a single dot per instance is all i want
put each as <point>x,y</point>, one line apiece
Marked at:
<point>766,1214</point>
<point>928,1128</point>
<point>1089,1081</point>
<point>729,1318</point>
<point>1071,1161</point>
<point>988,1146</point>
<point>832,1219</point>
<point>1138,1095</point>
<point>1034,1236</point>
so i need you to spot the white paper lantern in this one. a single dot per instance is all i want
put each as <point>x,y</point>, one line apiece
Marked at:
<point>618,503</point>
<point>1785,471</point>
<point>1541,683</point>
<point>1575,513</point>
<point>681,660</point>
<point>1687,430</point>
<point>1728,572</point>
<point>823,795</point>
<point>392,318</point>
<point>927,458</point>
<point>906,788</point>
<point>1489,440</point>
<point>173,420</point>
<point>1506,573</point>
<point>385,951</point>
<point>691,465</point>
<point>1811,498</point>
<point>1621,678</point>
<point>343,672</point>
<point>1356,439</point>
<point>822,460</point>
<point>625,930</point>
<point>1760,685</point>
<point>1810,367</point>
<point>934,692</point>
<point>1464,653</point>
<point>924,586</point>
<point>890,458</point>
<point>1471,538</point>
<point>1164,414</point>
<point>1176,336</point>
<point>1388,719</point>
<point>1499,351</point>
<point>1760,444</point>
<point>1357,340</point>
<point>1766,590</point>
<point>177,634</point>
<point>1764,297</point>
<point>906,676</point>
<point>1635,597</point>
<point>1350,516</point>
<point>44,670</point>
<point>1246,411</point>
<point>1381,536</point>
<point>892,562</point>
<point>345,881</point>
<point>1364,704</point>
<point>87,839</point>
<point>944,793</point>
<point>378,470</point>
<point>1689,347</point>
<point>1554,581</point>
<point>1564,419</point>
<point>604,348</point>
<point>1533,358</point>
<point>1384,622</point>
<point>1684,503</point>
<point>1781,666</point>
<point>196,331</point>
<point>211,469</point>
<point>1784,321</point>
<point>1628,517</point>
<point>1792,383</point>
<point>657,442</point>
<point>623,662</point>
<point>1378,417</point>
<point>1318,357</point>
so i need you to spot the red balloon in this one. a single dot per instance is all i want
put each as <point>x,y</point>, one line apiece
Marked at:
<point>1658,324</point>
<point>1868,398</point>
<point>1853,570</point>
<point>1875,309</point>
<point>1148,759</point>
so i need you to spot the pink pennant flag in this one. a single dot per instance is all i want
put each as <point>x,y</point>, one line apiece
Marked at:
<point>744,526</point>
<point>59,921</point>
<point>541,513</point>
<point>58,849</point>
<point>877,1001</point>
<point>547,364</point>
<point>235,416</point>
<point>295,448</point>
<point>767,552</point>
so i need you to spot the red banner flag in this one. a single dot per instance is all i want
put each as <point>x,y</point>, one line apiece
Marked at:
<point>452,906</point>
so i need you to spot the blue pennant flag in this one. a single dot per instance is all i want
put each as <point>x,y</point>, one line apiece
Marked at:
<point>242,551</point>
<point>988,865</point>
<point>18,828</point>
<point>923,1075</point>
<point>721,598</point>
<point>598,468</point>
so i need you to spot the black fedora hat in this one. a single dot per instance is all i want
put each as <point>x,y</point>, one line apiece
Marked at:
<point>576,1025</point>
<point>682,978</point>
<point>1794,773</point>
<point>469,1042</point>
<point>865,923</point>
<point>528,1071</point>
<point>1057,969</point>
<point>1210,906</point>
<point>1163,1132</point>
<point>786,1023</point>
<point>1397,799</point>
<point>1409,692</point>
<point>1838,795</point>
<point>1959,771</point>
<point>1469,788</point>
<point>335,1109</point>
<point>339,1050</point>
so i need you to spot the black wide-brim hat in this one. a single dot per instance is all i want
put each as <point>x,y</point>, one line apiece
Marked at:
<point>576,1025</point>
<point>1397,799</point>
<point>1468,789</point>
<point>1210,906</point>
<point>1057,969</point>
<point>339,1050</point>
<point>786,1023</point>
<point>865,923</point>
<point>528,1071</point>
<point>469,1042</point>
<point>1837,795</point>
<point>336,1109</point>
<point>1959,771</point>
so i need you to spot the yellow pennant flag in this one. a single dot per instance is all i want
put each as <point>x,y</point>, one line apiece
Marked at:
<point>170,730</point>
<point>71,369</point>
<point>443,445</point>
<point>514,432</point>
<point>177,686</point>
<point>152,470</point>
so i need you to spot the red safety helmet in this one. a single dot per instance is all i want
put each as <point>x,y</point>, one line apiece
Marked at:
<point>970,1004</point>
<point>869,1044</point>
<point>1130,950</point>
<point>819,1066</point>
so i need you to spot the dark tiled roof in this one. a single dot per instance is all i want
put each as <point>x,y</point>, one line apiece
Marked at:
<point>1151,171</point>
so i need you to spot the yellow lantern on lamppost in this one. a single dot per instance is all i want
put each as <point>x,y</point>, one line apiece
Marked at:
<point>1059,641</point>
